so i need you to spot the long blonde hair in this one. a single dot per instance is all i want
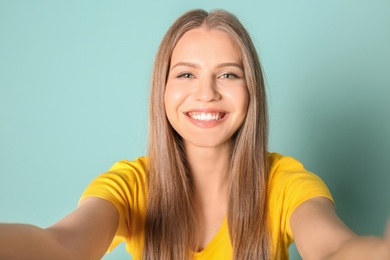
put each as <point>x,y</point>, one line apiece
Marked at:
<point>170,225</point>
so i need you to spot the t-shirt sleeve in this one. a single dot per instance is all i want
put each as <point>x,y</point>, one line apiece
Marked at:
<point>122,186</point>
<point>290,185</point>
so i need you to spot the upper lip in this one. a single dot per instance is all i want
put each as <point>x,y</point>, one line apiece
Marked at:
<point>205,110</point>
<point>192,112</point>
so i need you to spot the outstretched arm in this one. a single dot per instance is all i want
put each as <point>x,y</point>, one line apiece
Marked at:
<point>320,234</point>
<point>368,247</point>
<point>86,233</point>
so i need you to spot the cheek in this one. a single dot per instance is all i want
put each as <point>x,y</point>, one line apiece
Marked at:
<point>174,97</point>
<point>240,97</point>
<point>172,100</point>
<point>168,105</point>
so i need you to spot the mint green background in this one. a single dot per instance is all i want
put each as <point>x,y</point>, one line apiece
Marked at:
<point>74,79</point>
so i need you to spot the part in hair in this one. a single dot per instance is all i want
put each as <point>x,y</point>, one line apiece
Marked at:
<point>171,219</point>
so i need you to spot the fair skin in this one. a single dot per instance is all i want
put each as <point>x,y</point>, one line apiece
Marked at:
<point>198,83</point>
<point>206,100</point>
<point>210,88</point>
<point>85,233</point>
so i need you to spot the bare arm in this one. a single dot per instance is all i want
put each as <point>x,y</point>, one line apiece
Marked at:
<point>86,233</point>
<point>368,247</point>
<point>320,234</point>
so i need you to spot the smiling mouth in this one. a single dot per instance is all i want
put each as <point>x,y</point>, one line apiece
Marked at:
<point>202,116</point>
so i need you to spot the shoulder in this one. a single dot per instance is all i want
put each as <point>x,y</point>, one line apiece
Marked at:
<point>123,185</point>
<point>278,162</point>
<point>138,164</point>
<point>289,179</point>
<point>124,179</point>
<point>136,168</point>
<point>286,171</point>
<point>289,185</point>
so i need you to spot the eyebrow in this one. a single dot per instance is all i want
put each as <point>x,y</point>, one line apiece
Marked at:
<point>230,64</point>
<point>186,64</point>
<point>196,66</point>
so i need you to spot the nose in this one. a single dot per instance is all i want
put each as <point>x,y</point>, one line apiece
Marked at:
<point>206,90</point>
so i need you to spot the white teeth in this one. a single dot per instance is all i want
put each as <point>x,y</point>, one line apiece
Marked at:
<point>205,116</point>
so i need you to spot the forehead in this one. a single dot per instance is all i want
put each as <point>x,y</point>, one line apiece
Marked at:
<point>207,43</point>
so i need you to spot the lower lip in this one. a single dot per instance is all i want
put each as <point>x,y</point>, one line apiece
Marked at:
<point>207,124</point>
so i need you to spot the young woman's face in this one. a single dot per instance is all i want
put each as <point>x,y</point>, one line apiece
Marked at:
<point>206,97</point>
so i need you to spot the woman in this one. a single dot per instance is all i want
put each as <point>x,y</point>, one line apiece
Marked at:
<point>208,189</point>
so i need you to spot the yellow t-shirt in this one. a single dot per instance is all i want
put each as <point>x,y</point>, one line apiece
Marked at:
<point>289,185</point>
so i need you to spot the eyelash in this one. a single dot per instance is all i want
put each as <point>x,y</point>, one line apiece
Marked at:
<point>229,75</point>
<point>185,75</point>
<point>224,75</point>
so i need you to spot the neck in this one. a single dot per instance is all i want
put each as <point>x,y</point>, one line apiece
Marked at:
<point>209,170</point>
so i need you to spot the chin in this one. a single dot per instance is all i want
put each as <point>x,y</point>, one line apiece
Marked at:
<point>208,142</point>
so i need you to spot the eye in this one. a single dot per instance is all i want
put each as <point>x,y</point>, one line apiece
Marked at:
<point>185,75</point>
<point>229,76</point>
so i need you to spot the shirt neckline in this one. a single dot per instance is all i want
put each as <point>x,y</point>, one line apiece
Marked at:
<point>213,244</point>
